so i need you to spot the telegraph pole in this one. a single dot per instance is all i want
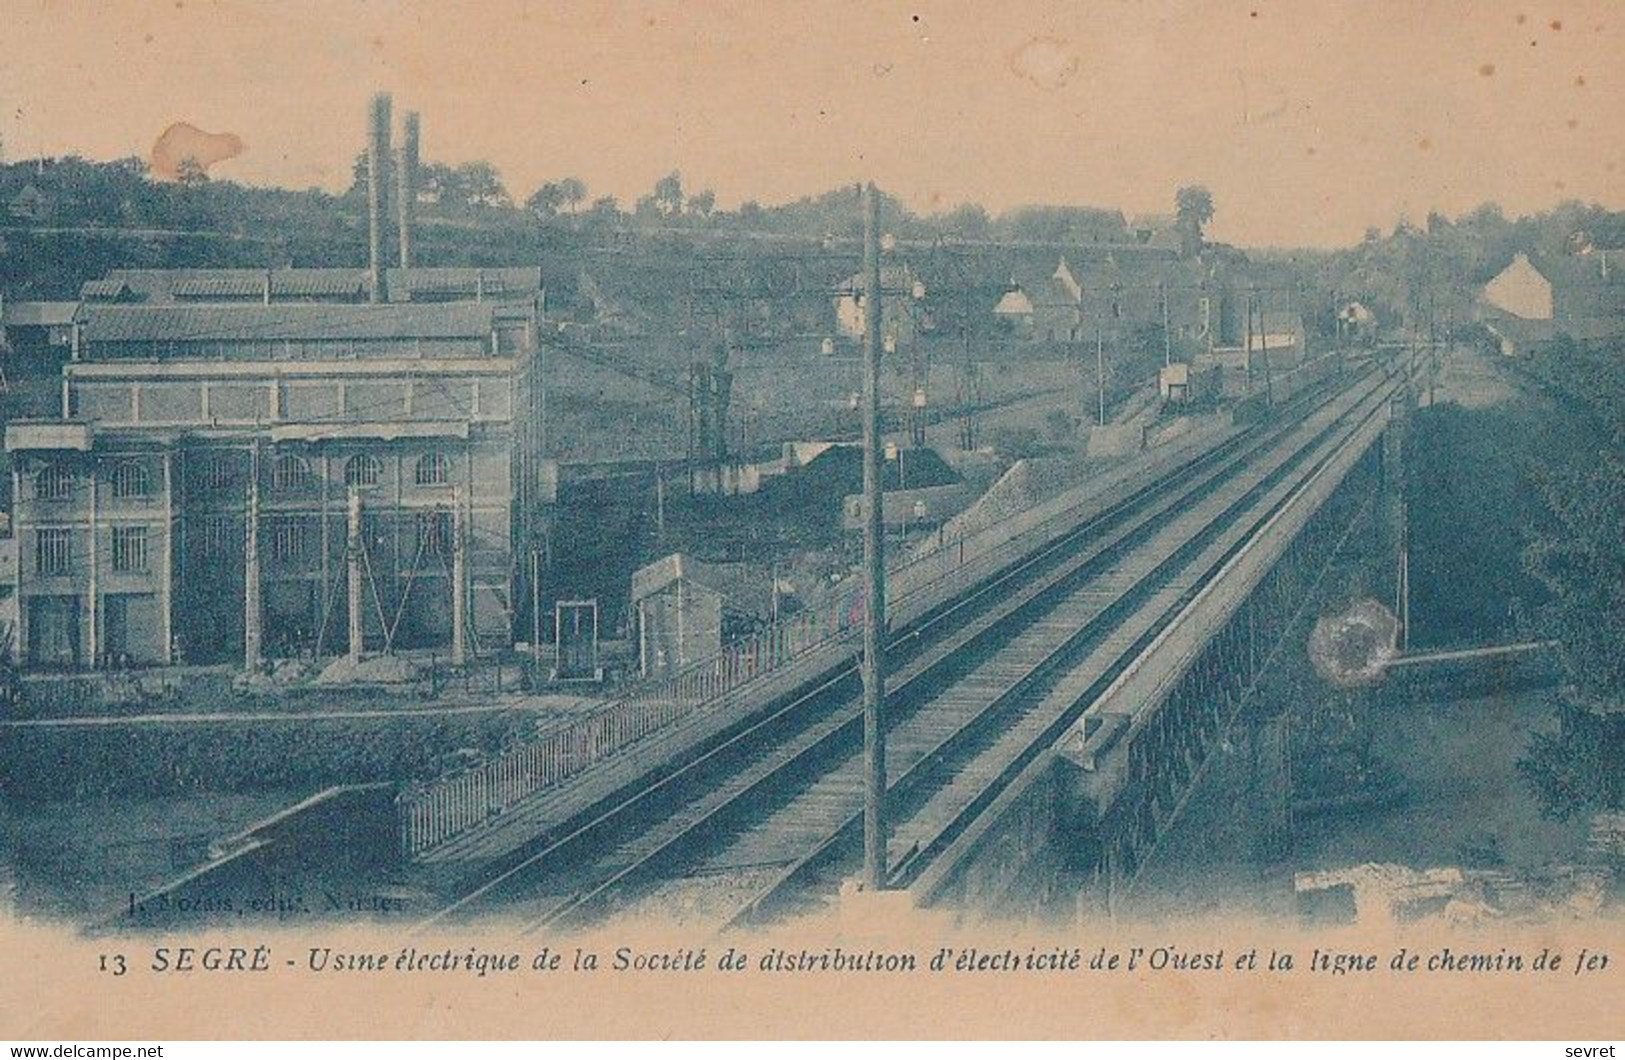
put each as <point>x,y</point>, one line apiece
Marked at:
<point>1100,373</point>
<point>1167,339</point>
<point>874,563</point>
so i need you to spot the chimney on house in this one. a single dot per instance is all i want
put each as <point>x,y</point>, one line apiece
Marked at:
<point>377,159</point>
<point>406,183</point>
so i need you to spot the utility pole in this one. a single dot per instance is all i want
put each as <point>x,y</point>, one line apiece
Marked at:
<point>352,574</point>
<point>1264,342</point>
<point>660,501</point>
<point>1249,361</point>
<point>1167,339</point>
<point>874,564</point>
<point>1100,373</point>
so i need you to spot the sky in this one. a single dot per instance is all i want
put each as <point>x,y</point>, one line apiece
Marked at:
<point>1308,119</point>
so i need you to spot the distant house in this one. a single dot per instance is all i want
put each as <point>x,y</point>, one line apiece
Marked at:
<point>900,292</point>
<point>30,204</point>
<point>1355,320</point>
<point>1155,230</point>
<point>1047,307</point>
<point>1533,301</point>
<point>1277,330</point>
<point>36,324</point>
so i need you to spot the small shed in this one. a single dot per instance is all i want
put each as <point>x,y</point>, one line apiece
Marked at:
<point>685,606</point>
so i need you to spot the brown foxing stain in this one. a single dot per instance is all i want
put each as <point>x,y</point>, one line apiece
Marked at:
<point>1557,24</point>
<point>1522,18</point>
<point>1574,123</point>
<point>1424,143</point>
<point>183,140</point>
<point>1580,81</point>
<point>1045,61</point>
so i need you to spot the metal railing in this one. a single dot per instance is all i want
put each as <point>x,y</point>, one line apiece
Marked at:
<point>430,813</point>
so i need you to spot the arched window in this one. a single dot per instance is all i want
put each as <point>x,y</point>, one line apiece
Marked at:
<point>291,472</point>
<point>433,469</point>
<point>363,470</point>
<point>131,479</point>
<point>53,483</point>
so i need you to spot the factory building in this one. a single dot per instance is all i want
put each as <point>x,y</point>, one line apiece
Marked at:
<point>252,464</point>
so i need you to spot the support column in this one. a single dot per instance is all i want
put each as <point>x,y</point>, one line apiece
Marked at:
<point>20,643</point>
<point>459,583</point>
<point>252,614</point>
<point>352,559</point>
<point>536,616</point>
<point>93,608</point>
<point>166,578</point>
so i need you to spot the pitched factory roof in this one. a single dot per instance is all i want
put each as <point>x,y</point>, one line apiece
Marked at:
<point>38,314</point>
<point>161,285</point>
<point>214,323</point>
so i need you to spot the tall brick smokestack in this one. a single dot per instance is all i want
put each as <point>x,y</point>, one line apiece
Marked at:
<point>377,193</point>
<point>406,184</point>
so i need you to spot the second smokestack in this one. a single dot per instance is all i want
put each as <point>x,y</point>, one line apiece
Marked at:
<point>377,160</point>
<point>406,184</point>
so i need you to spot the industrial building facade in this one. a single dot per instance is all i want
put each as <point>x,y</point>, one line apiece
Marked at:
<point>270,477</point>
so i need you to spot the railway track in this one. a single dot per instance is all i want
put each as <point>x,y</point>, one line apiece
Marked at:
<point>769,820</point>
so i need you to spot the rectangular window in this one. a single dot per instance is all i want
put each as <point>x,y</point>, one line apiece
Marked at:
<point>53,550</point>
<point>434,531</point>
<point>129,548</point>
<point>219,533</point>
<point>289,539</point>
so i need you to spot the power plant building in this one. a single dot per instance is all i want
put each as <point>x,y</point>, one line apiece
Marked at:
<point>253,464</point>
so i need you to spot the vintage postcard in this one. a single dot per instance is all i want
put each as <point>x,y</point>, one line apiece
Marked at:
<point>531,520</point>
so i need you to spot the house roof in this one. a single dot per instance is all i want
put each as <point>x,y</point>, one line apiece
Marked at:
<point>214,323</point>
<point>38,314</point>
<point>743,588</point>
<point>1016,302</point>
<point>1150,222</point>
<point>893,279</point>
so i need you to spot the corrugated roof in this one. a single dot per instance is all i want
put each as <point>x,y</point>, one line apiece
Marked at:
<point>164,284</point>
<point>221,287</point>
<point>39,314</point>
<point>213,323</point>
<point>492,282</point>
<point>107,288</point>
